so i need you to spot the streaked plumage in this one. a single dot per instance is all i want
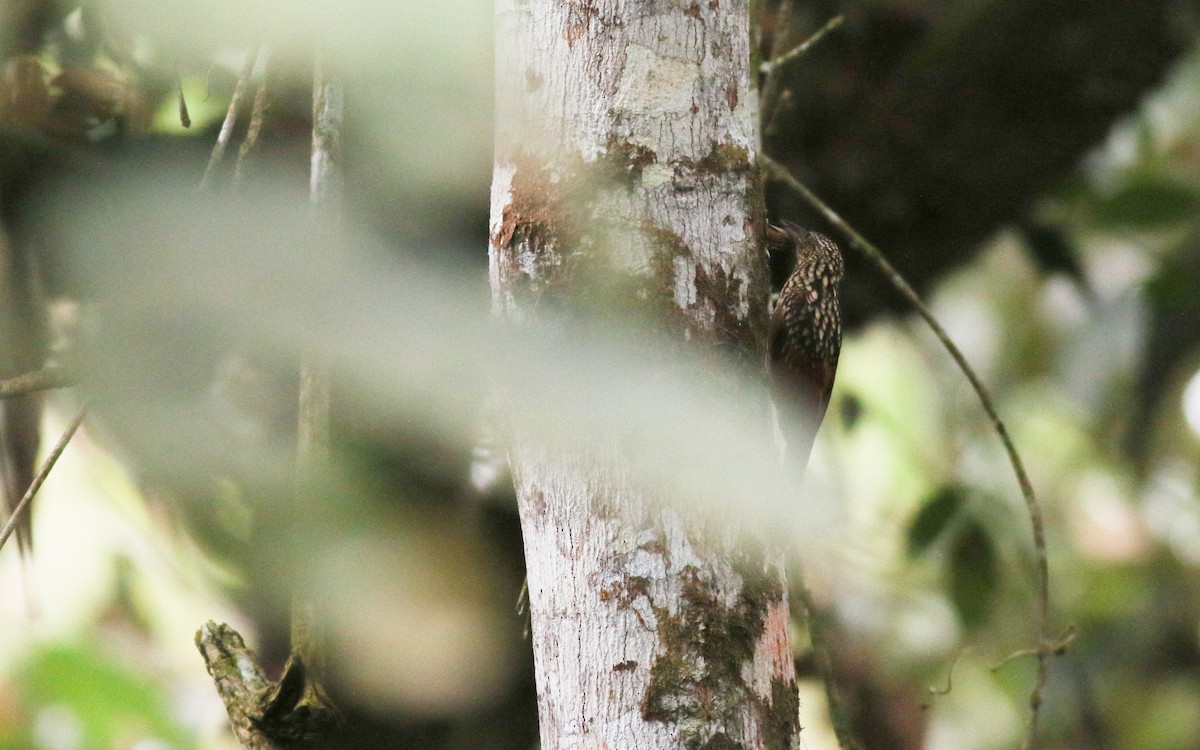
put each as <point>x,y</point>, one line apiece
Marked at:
<point>805,336</point>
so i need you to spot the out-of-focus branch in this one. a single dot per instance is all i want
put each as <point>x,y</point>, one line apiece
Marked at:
<point>774,94</point>
<point>46,379</point>
<point>235,103</point>
<point>325,177</point>
<point>257,115</point>
<point>820,650</point>
<point>40,477</point>
<point>264,714</point>
<point>312,449</point>
<point>773,65</point>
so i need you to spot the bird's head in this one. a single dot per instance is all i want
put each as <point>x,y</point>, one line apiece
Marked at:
<point>817,257</point>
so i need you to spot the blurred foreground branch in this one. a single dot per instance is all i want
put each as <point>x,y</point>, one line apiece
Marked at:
<point>235,103</point>
<point>257,115</point>
<point>46,379</point>
<point>265,714</point>
<point>43,472</point>
<point>312,448</point>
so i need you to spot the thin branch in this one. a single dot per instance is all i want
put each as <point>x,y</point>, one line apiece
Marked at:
<point>523,596</point>
<point>325,178</point>
<point>312,450</point>
<point>816,633</point>
<point>1046,645</point>
<point>783,20</point>
<point>266,715</point>
<point>771,125</point>
<point>257,114</point>
<point>938,691</point>
<point>313,446</point>
<point>773,94</point>
<point>772,66</point>
<point>40,477</point>
<point>1057,647</point>
<point>185,119</point>
<point>45,379</point>
<point>235,103</point>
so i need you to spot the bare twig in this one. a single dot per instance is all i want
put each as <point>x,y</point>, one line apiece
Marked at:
<point>185,119</point>
<point>296,709</point>
<point>769,97</point>
<point>1046,645</point>
<point>325,178</point>
<point>773,94</point>
<point>1057,646</point>
<point>257,113</point>
<point>783,20</point>
<point>45,379</point>
<point>235,103</point>
<point>40,477</point>
<point>773,65</point>
<point>313,445</point>
<point>936,691</point>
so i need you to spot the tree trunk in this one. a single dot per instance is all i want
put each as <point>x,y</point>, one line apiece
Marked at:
<point>625,179</point>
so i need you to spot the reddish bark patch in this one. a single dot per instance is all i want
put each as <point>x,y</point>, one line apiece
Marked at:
<point>538,499</point>
<point>579,19</point>
<point>534,228</point>
<point>625,591</point>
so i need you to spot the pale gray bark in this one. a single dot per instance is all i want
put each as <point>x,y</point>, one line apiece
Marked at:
<point>626,148</point>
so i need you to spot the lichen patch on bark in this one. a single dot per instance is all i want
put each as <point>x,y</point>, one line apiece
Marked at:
<point>698,675</point>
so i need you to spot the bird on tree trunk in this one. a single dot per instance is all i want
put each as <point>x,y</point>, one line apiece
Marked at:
<point>805,337</point>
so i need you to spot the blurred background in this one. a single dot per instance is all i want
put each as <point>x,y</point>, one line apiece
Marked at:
<point>1032,166</point>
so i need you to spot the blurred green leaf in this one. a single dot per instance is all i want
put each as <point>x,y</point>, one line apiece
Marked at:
<point>974,576</point>
<point>75,690</point>
<point>933,518</point>
<point>1175,285</point>
<point>1162,715</point>
<point>1053,250</point>
<point>1147,200</point>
